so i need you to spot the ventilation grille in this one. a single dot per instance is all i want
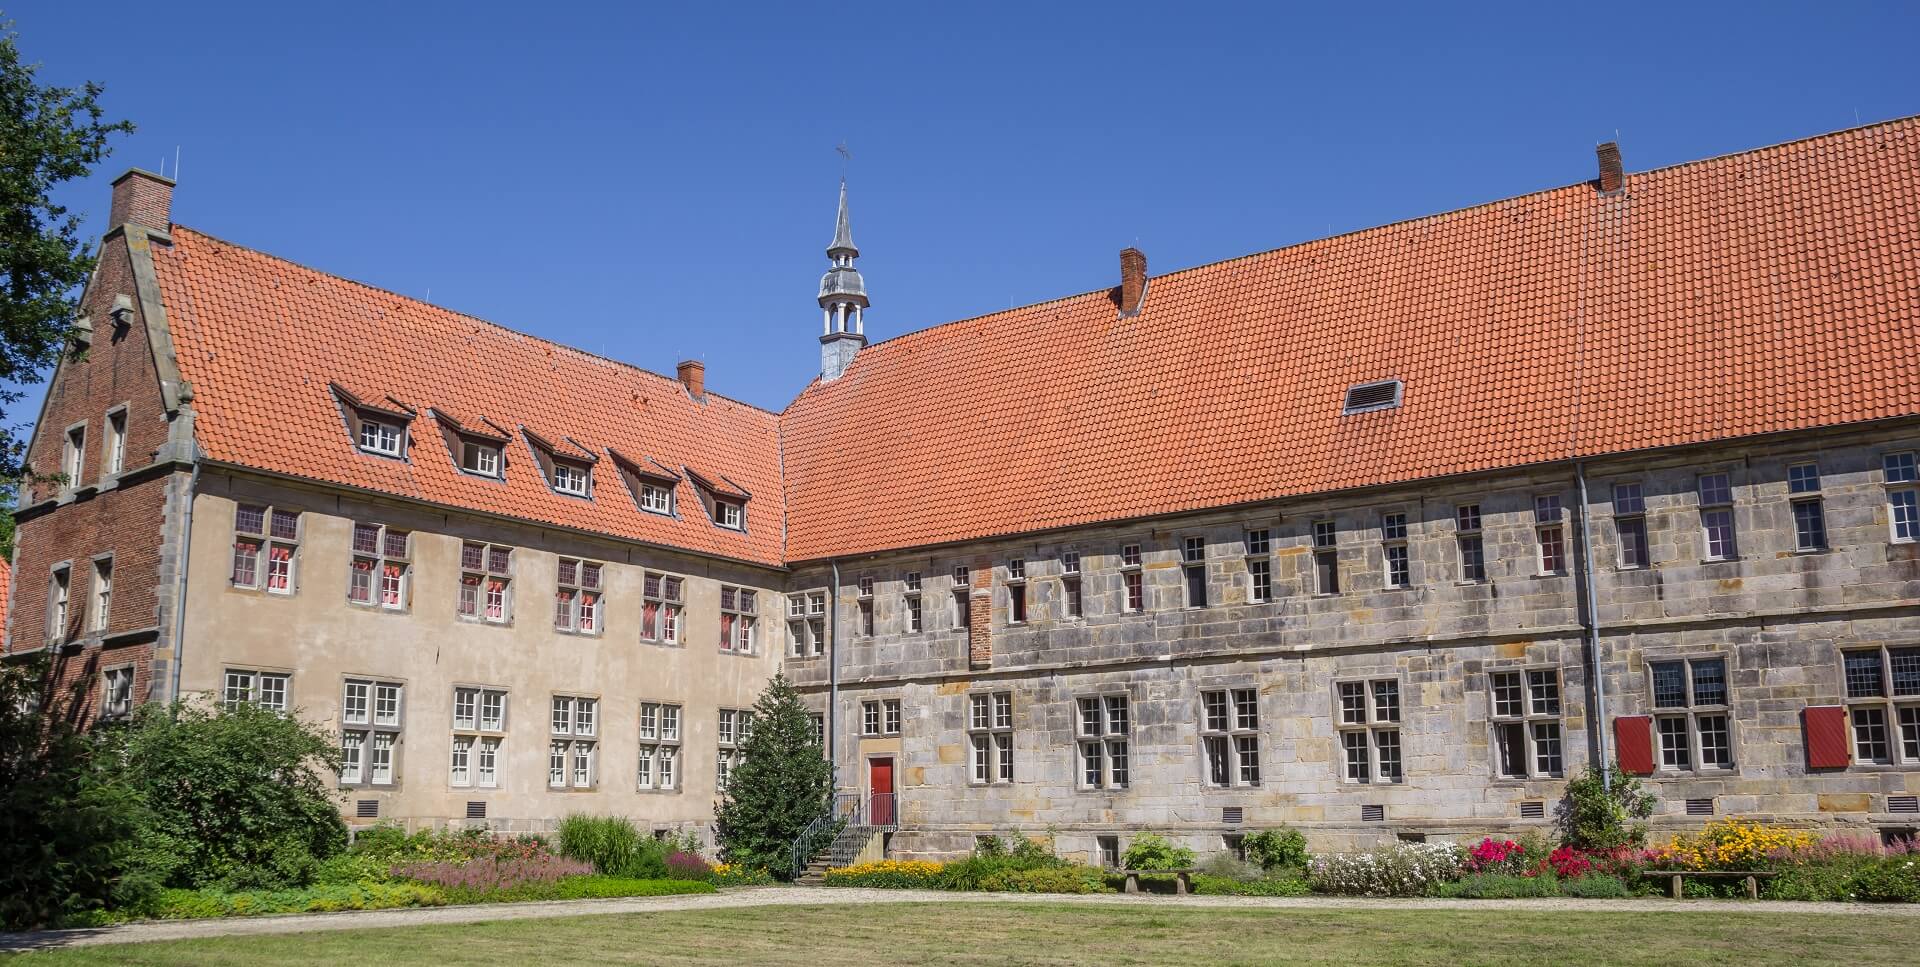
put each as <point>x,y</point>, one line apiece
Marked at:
<point>367,809</point>
<point>1367,397</point>
<point>1700,807</point>
<point>1373,814</point>
<point>1903,804</point>
<point>1533,810</point>
<point>1232,814</point>
<point>476,810</point>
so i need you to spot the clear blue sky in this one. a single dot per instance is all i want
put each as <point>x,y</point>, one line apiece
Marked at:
<point>654,181</point>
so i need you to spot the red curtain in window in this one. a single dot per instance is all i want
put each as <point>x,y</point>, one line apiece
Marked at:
<point>1633,744</point>
<point>726,631</point>
<point>1826,733</point>
<point>279,567</point>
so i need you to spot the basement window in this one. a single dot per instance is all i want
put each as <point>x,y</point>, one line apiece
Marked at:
<point>1367,397</point>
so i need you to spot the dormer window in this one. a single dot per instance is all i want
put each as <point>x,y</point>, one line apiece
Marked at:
<point>482,459</point>
<point>656,499</point>
<point>569,478</point>
<point>379,436</point>
<point>730,515</point>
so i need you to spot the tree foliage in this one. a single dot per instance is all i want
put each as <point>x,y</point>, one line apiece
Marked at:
<point>48,135</point>
<point>782,784</point>
<point>1596,817</point>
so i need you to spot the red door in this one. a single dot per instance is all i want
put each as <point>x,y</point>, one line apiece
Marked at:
<point>880,791</point>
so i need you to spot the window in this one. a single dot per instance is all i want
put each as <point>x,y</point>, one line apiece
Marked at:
<point>1883,700</point>
<point>1473,558</point>
<point>1259,566</point>
<point>571,478</point>
<point>116,693</point>
<point>863,598</point>
<point>370,715</point>
<point>100,609</point>
<point>576,603</point>
<point>1551,532</point>
<point>1367,397</point>
<point>1716,517</point>
<point>480,458</point>
<point>739,614</point>
<point>990,733</point>
<point>571,756</point>
<point>73,459</point>
<point>916,621</point>
<point>1230,735</point>
<point>1132,579</point>
<point>1104,729</point>
<point>659,745</point>
<point>730,514</point>
<point>1526,723</point>
<point>735,726</point>
<point>1393,550</point>
<point>963,597</point>
<point>660,604</point>
<point>1903,499</point>
<point>1370,729</point>
<point>116,441</point>
<point>1072,600</point>
<point>656,498</point>
<point>1016,591</point>
<point>1630,524</point>
<point>270,532</point>
<point>479,724</point>
<point>1809,515</point>
<point>1193,570</point>
<point>807,625</point>
<point>59,586</point>
<point>379,436</point>
<point>244,686</point>
<point>1326,558</point>
<point>486,582</point>
<point>880,717</point>
<point>379,572</point>
<point>1109,849</point>
<point>1690,713</point>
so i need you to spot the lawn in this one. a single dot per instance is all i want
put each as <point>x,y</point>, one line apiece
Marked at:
<point>977,933</point>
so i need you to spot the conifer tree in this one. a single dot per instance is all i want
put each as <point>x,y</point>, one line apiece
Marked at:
<point>781,785</point>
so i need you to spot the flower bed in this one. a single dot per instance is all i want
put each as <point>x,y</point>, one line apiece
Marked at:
<point>888,875</point>
<point>1403,869</point>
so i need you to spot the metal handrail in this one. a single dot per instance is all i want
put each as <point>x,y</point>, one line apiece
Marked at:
<point>845,808</point>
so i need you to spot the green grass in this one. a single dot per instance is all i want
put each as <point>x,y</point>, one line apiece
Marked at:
<point>979,933</point>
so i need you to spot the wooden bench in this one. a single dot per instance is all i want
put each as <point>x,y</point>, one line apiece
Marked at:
<point>1752,879</point>
<point>1182,879</point>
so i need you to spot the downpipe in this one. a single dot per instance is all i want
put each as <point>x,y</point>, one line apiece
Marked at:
<point>1590,617</point>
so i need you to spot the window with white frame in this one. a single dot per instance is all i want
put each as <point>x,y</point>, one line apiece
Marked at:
<point>1630,525</point>
<point>661,600</point>
<point>656,498</point>
<point>1550,531</point>
<point>571,478</point>
<point>1016,590</point>
<point>116,693</point>
<point>659,746</point>
<point>1259,566</point>
<point>990,736</point>
<point>880,717</point>
<point>1809,513</point>
<point>1105,726</point>
<point>730,514</point>
<point>1471,543</point>
<point>916,619</point>
<point>1526,723</point>
<point>1690,713</point>
<point>735,726</point>
<point>486,582</point>
<point>1393,550</point>
<point>73,458</point>
<point>1326,557</point>
<point>1193,570</point>
<point>1716,517</point>
<point>479,727</point>
<point>1073,602</point>
<point>250,686</point>
<point>1230,736</point>
<point>480,458</point>
<point>1369,728</point>
<point>116,449</point>
<point>739,618</point>
<point>100,607</point>
<point>59,593</point>
<point>1132,580</point>
<point>380,436</point>
<point>1883,704</point>
<point>807,624</point>
<point>576,600</point>
<point>381,569</point>
<point>573,753</point>
<point>1903,496</point>
<point>370,726</point>
<point>266,546</point>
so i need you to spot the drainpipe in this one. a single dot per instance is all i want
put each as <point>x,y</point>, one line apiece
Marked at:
<point>833,675</point>
<point>180,600</point>
<point>1590,617</point>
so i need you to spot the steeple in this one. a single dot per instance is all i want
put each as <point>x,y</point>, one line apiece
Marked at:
<point>843,300</point>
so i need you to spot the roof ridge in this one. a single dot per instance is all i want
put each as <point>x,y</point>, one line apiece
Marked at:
<point>464,315</point>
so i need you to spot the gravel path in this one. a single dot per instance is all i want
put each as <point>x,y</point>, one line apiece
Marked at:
<point>798,896</point>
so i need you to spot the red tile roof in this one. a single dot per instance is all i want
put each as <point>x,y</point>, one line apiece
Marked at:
<point>263,341</point>
<point>1771,290</point>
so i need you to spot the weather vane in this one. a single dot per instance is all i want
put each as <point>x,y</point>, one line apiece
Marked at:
<point>845,157</point>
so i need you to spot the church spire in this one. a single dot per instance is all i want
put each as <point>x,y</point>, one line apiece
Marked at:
<point>843,300</point>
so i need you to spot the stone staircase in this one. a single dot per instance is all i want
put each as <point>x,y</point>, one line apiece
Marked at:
<point>853,844</point>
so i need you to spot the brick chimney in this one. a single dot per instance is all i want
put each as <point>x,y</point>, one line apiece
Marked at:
<point>1612,176</point>
<point>693,375</point>
<point>1133,280</point>
<point>143,198</point>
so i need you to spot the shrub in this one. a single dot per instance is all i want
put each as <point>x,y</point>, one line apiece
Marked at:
<point>1403,869</point>
<point>1050,879</point>
<point>1891,880</point>
<point>684,865</point>
<point>727,874</point>
<point>1730,844</point>
<point>493,874</point>
<point>578,888</point>
<point>198,904</point>
<point>1274,848</point>
<point>1499,886</point>
<point>1282,885</point>
<point>1594,817</point>
<point>391,844</point>
<point>1595,886</point>
<point>887,875</point>
<point>1149,851</point>
<point>613,846</point>
<point>353,868</point>
<point>1498,856</point>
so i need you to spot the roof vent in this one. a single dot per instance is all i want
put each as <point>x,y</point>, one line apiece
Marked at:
<point>1367,397</point>
<point>1533,809</point>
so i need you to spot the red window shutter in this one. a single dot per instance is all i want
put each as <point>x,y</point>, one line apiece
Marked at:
<point>1633,744</point>
<point>1827,744</point>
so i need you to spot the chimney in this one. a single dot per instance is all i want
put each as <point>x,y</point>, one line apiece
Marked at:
<point>1612,176</point>
<point>693,375</point>
<point>143,198</point>
<point>1133,280</point>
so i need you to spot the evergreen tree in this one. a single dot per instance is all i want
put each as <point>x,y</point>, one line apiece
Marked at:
<point>782,784</point>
